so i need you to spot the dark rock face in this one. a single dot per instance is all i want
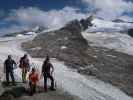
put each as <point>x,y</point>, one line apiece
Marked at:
<point>86,22</point>
<point>13,92</point>
<point>68,45</point>
<point>118,21</point>
<point>130,32</point>
<point>62,44</point>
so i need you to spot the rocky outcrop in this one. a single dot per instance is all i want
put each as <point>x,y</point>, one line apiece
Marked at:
<point>130,32</point>
<point>86,22</point>
<point>118,21</point>
<point>66,44</point>
<point>21,93</point>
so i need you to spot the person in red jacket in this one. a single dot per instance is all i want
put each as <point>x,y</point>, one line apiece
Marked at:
<point>33,79</point>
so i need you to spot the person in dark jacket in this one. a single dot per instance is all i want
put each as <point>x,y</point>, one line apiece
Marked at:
<point>47,73</point>
<point>8,68</point>
<point>25,66</point>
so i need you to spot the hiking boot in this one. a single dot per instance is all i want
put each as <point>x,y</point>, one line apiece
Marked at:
<point>52,89</point>
<point>14,84</point>
<point>45,89</point>
<point>7,83</point>
<point>24,82</point>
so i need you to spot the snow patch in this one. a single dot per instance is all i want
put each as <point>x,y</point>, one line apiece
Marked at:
<point>63,47</point>
<point>36,48</point>
<point>19,35</point>
<point>100,25</point>
<point>30,33</point>
<point>117,41</point>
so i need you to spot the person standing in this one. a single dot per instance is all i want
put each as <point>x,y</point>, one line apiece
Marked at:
<point>33,79</point>
<point>25,66</point>
<point>8,68</point>
<point>47,73</point>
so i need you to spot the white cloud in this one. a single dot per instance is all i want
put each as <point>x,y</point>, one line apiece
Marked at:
<point>110,9</point>
<point>13,28</point>
<point>127,18</point>
<point>31,17</point>
<point>50,19</point>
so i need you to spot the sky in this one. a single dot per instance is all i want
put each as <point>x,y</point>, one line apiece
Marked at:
<point>43,4</point>
<point>17,15</point>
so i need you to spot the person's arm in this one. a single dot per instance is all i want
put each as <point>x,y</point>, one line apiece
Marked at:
<point>37,77</point>
<point>15,64</point>
<point>29,76</point>
<point>28,62</point>
<point>42,68</point>
<point>52,67</point>
<point>5,67</point>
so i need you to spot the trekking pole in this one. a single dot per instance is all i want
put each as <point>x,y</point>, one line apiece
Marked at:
<point>55,82</point>
<point>55,85</point>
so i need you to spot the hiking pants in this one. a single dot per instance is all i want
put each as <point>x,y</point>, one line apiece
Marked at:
<point>46,76</point>
<point>24,73</point>
<point>10,73</point>
<point>32,88</point>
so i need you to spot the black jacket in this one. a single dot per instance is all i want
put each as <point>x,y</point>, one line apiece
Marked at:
<point>8,65</point>
<point>46,67</point>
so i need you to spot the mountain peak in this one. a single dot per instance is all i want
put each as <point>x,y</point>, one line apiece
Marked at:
<point>118,21</point>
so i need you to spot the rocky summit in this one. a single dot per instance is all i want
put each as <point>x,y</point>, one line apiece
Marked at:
<point>66,44</point>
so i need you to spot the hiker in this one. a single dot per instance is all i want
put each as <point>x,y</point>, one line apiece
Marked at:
<point>47,73</point>
<point>25,66</point>
<point>33,79</point>
<point>8,69</point>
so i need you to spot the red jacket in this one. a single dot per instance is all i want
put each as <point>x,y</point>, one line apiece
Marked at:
<point>34,77</point>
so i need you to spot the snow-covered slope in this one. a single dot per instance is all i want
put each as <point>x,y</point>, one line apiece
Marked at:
<point>72,82</point>
<point>117,41</point>
<point>101,25</point>
<point>108,34</point>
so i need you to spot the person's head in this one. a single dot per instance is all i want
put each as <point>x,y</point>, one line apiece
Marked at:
<point>33,70</point>
<point>25,55</point>
<point>9,57</point>
<point>47,58</point>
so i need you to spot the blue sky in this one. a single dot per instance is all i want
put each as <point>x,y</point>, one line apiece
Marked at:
<point>23,14</point>
<point>7,5</point>
<point>42,4</point>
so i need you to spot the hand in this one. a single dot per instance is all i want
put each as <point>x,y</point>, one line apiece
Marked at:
<point>4,71</point>
<point>51,73</point>
<point>41,76</point>
<point>28,69</point>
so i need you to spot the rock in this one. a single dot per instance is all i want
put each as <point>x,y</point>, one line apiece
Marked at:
<point>86,22</point>
<point>16,91</point>
<point>130,32</point>
<point>7,97</point>
<point>52,42</point>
